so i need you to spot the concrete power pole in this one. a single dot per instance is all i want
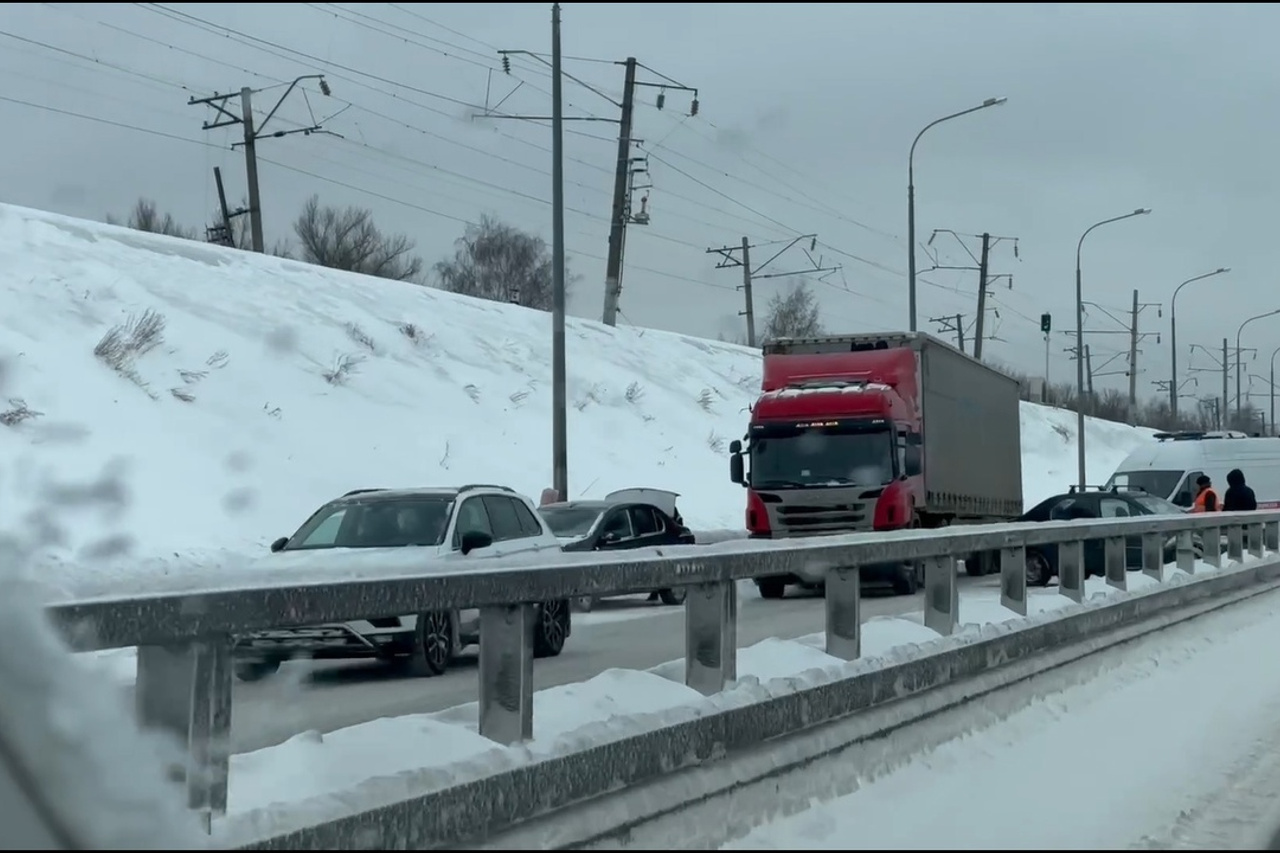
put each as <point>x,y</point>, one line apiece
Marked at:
<point>559,384</point>
<point>1226,368</point>
<point>621,187</point>
<point>750,276</point>
<point>1133,363</point>
<point>225,118</point>
<point>750,312</point>
<point>982,298</point>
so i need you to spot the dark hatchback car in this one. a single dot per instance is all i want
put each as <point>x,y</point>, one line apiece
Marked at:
<point>616,525</point>
<point>1042,560</point>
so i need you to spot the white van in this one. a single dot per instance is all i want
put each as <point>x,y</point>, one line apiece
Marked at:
<point>1169,466</point>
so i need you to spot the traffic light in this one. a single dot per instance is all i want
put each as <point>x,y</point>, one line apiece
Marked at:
<point>1045,323</point>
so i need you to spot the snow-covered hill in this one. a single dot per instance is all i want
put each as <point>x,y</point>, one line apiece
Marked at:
<point>269,386</point>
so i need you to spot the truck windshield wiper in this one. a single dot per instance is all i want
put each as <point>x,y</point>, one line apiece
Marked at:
<point>780,484</point>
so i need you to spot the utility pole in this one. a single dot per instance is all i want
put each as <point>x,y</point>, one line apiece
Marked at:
<point>621,209</point>
<point>981,265</point>
<point>982,296</point>
<point>1088,368</point>
<point>1226,363</point>
<point>1222,367</point>
<point>223,117</point>
<point>1133,363</point>
<point>559,389</point>
<point>951,324</point>
<point>750,276</point>
<point>618,227</point>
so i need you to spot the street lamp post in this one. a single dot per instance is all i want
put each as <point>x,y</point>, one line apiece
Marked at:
<point>1173,338</point>
<point>1142,211</point>
<point>1273,390</point>
<point>1239,331</point>
<point>911,201</point>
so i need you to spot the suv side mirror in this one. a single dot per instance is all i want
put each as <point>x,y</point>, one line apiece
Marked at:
<point>279,544</point>
<point>475,539</point>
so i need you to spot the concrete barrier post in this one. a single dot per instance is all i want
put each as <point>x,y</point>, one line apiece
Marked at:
<point>506,672</point>
<point>1153,555</point>
<point>941,594</point>
<point>1013,579</point>
<point>185,689</point>
<point>1235,544</point>
<point>844,613</point>
<point>1211,538</point>
<point>1187,551</point>
<point>1115,557</point>
<point>1272,535</point>
<point>1071,570</point>
<point>711,636</point>
<point>1255,541</point>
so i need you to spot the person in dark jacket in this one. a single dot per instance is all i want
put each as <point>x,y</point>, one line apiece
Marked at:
<point>1239,497</point>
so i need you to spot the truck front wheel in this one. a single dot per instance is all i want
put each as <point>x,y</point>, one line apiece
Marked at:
<point>772,587</point>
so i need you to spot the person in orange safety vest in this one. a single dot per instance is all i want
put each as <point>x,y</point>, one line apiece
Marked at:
<point>1206,498</point>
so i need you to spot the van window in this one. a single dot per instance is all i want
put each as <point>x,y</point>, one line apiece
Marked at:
<point>1159,483</point>
<point>1187,490</point>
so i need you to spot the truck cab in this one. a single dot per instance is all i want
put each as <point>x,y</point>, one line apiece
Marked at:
<point>876,432</point>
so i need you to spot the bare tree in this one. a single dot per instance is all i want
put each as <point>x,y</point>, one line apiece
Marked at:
<point>793,314</point>
<point>349,240</point>
<point>500,262</point>
<point>146,216</point>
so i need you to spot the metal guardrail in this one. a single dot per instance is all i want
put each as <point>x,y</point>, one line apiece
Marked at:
<point>185,637</point>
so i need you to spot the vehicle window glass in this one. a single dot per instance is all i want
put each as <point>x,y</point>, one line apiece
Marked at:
<point>1116,508</point>
<point>643,521</point>
<point>568,520</point>
<point>1159,483</point>
<point>502,515</point>
<point>325,533</point>
<point>1069,508</point>
<point>1157,506</point>
<point>528,524</point>
<point>1187,489</point>
<point>472,518</point>
<point>618,524</point>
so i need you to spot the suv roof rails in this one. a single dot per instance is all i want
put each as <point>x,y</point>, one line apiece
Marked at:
<point>1075,490</point>
<point>469,486</point>
<point>363,491</point>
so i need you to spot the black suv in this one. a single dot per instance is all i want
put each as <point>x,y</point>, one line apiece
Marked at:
<point>1099,503</point>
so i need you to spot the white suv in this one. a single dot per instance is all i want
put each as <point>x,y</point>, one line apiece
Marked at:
<point>477,522</point>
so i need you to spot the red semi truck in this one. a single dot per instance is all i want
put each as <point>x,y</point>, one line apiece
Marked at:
<point>877,432</point>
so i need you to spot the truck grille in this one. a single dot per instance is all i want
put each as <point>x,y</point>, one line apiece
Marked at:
<point>798,520</point>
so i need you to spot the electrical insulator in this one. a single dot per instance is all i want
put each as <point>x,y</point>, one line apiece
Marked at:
<point>813,244</point>
<point>1015,248</point>
<point>324,87</point>
<point>693,108</point>
<point>662,99</point>
<point>506,64</point>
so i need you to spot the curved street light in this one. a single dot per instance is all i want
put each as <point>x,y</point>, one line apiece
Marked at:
<point>1273,390</point>
<point>1173,338</point>
<point>1239,331</point>
<point>1142,211</point>
<point>911,201</point>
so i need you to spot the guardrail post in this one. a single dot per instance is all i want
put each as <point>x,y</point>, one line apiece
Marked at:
<point>1071,570</point>
<point>1255,540</point>
<point>844,613</point>
<point>1115,559</point>
<point>1211,537</point>
<point>941,594</point>
<point>711,636</point>
<point>1235,543</point>
<point>185,689</point>
<point>1013,579</point>
<point>1272,535</point>
<point>506,672</point>
<point>1187,551</point>
<point>1153,555</point>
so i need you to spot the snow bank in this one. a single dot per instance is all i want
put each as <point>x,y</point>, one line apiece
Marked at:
<point>394,758</point>
<point>227,433</point>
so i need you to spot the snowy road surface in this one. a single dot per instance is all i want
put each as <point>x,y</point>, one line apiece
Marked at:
<point>325,697</point>
<point>1170,741</point>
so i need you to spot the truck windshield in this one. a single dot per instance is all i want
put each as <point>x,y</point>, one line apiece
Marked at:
<point>800,457</point>
<point>1158,483</point>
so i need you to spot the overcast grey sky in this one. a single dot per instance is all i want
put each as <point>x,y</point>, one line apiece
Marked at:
<point>806,115</point>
